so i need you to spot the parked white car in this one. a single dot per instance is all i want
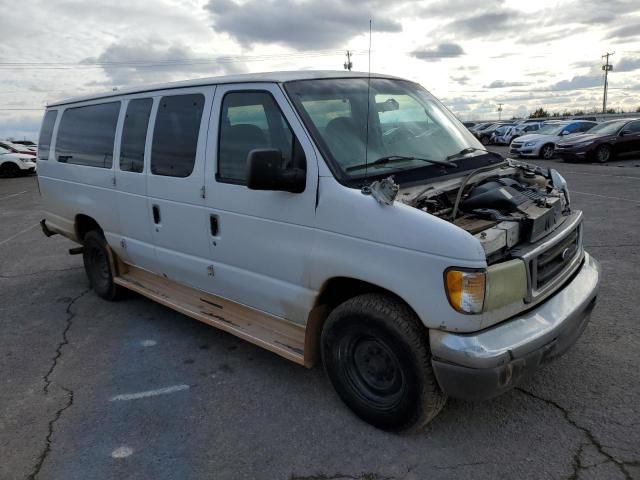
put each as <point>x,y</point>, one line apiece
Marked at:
<point>511,133</point>
<point>542,144</point>
<point>409,260</point>
<point>14,164</point>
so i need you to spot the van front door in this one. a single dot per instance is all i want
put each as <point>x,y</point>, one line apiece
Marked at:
<point>175,184</point>
<point>260,241</point>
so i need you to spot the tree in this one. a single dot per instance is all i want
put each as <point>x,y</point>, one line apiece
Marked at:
<point>638,109</point>
<point>539,113</point>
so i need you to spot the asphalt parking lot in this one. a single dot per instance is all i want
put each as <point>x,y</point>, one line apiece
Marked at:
<point>72,365</point>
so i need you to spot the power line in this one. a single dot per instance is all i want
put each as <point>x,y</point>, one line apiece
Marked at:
<point>161,63</point>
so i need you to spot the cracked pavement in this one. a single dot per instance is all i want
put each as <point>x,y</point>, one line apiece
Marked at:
<point>65,354</point>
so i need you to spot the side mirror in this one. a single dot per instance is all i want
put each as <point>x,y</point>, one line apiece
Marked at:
<point>388,105</point>
<point>265,172</point>
<point>564,133</point>
<point>625,132</point>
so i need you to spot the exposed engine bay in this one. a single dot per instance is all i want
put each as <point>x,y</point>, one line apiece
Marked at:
<point>502,206</point>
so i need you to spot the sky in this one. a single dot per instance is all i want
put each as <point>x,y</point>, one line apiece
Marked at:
<point>471,54</point>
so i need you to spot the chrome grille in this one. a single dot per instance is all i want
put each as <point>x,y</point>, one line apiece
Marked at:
<point>552,260</point>
<point>546,266</point>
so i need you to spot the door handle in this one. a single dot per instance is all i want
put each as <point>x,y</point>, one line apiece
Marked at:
<point>214,225</point>
<point>156,214</point>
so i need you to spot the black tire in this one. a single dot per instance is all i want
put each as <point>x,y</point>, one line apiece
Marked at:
<point>547,151</point>
<point>485,139</point>
<point>603,154</point>
<point>376,354</point>
<point>95,255</point>
<point>9,169</point>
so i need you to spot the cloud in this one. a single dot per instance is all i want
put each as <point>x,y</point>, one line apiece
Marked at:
<point>21,126</point>
<point>306,24</point>
<point>624,33</point>
<point>503,84</point>
<point>486,24</point>
<point>444,8</point>
<point>577,82</point>
<point>134,62</point>
<point>444,50</point>
<point>627,65</point>
<point>462,79</point>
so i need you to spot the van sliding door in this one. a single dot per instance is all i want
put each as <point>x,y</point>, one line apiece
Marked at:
<point>135,244</point>
<point>175,184</point>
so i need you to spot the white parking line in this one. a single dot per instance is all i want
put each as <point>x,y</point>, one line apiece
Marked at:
<point>604,196</point>
<point>122,452</point>
<point>18,234</point>
<point>12,195</point>
<point>149,393</point>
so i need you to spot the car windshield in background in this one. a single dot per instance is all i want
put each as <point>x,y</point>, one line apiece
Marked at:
<point>554,129</point>
<point>406,123</point>
<point>608,128</point>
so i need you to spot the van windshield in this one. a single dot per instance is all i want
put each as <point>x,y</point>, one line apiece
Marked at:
<point>406,123</point>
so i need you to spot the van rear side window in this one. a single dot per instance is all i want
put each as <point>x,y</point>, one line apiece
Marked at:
<point>175,136</point>
<point>46,132</point>
<point>86,135</point>
<point>134,135</point>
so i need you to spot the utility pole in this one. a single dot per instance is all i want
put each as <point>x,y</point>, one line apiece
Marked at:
<point>606,68</point>
<point>500,111</point>
<point>348,65</point>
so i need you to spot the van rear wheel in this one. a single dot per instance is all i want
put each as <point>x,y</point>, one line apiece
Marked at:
<point>96,256</point>
<point>376,354</point>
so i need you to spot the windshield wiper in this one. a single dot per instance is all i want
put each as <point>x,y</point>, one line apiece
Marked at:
<point>464,151</point>
<point>399,158</point>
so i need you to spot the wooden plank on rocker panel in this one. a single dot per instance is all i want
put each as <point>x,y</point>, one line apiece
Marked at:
<point>272,333</point>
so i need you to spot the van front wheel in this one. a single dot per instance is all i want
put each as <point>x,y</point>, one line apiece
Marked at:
<point>376,354</point>
<point>96,257</point>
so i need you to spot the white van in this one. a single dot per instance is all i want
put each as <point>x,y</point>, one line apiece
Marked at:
<point>325,215</point>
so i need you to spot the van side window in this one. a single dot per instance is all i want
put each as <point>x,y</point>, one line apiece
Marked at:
<point>86,135</point>
<point>46,132</point>
<point>251,120</point>
<point>175,137</point>
<point>134,135</point>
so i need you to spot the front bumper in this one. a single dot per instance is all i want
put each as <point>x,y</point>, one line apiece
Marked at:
<point>524,151</point>
<point>27,167</point>
<point>574,154</point>
<point>482,365</point>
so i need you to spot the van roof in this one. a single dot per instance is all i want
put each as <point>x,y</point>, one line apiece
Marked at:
<point>266,77</point>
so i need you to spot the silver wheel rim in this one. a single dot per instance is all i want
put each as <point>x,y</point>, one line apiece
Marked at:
<point>547,152</point>
<point>603,155</point>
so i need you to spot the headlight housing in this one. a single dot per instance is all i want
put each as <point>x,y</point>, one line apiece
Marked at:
<point>560,184</point>
<point>584,144</point>
<point>465,289</point>
<point>530,144</point>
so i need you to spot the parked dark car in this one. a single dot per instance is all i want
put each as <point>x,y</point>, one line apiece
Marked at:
<point>603,142</point>
<point>470,124</point>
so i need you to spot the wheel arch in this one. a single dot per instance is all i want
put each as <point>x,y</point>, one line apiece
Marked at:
<point>333,292</point>
<point>84,224</point>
